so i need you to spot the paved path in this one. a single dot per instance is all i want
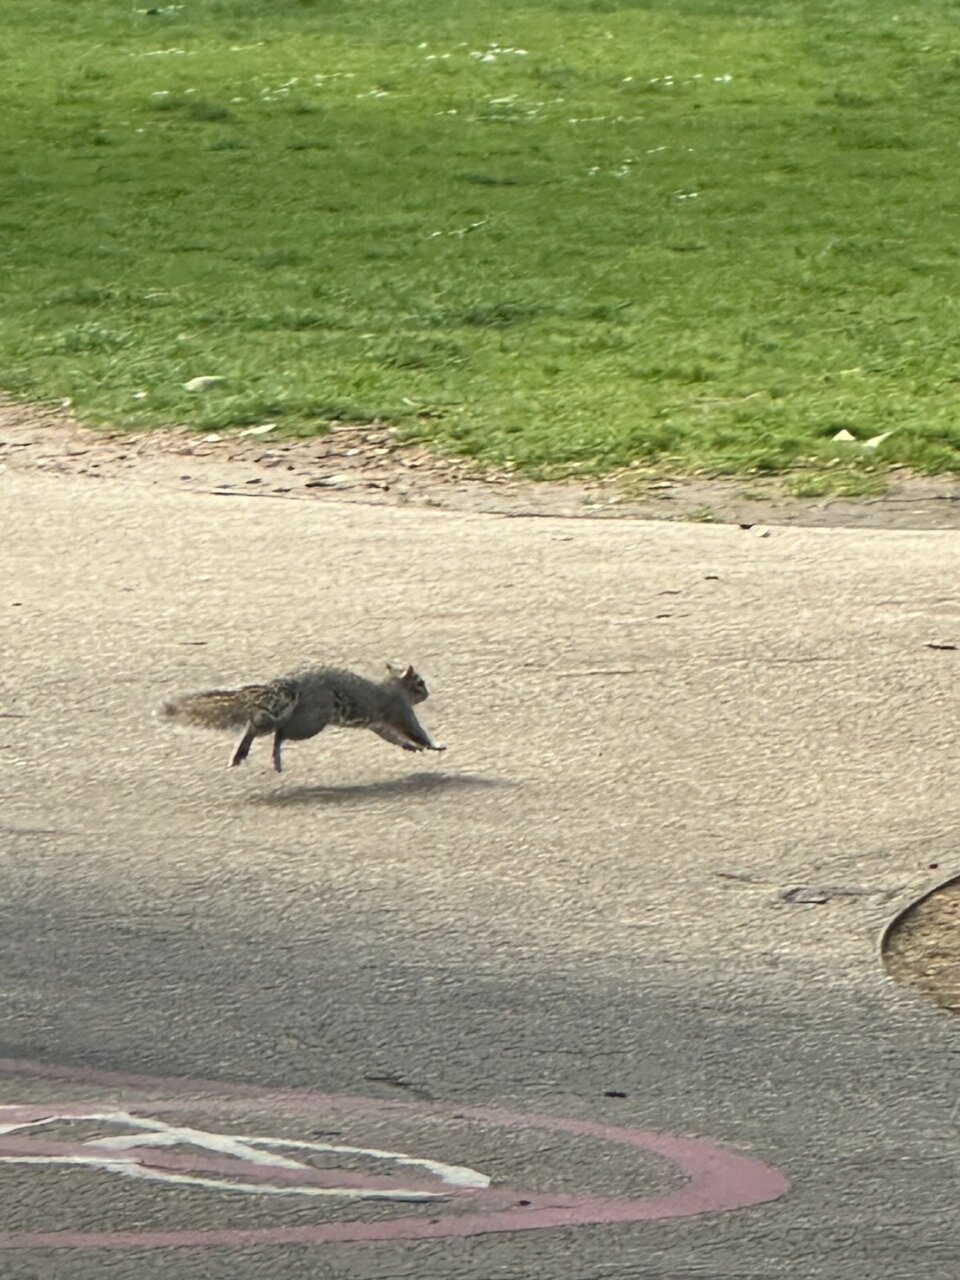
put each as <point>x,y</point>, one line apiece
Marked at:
<point>690,772</point>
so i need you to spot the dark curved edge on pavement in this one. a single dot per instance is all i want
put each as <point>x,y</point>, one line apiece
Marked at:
<point>888,928</point>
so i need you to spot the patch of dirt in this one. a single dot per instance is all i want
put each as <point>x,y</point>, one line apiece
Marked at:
<point>370,464</point>
<point>923,948</point>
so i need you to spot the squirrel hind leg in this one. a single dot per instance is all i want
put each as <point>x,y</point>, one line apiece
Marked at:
<point>277,744</point>
<point>242,749</point>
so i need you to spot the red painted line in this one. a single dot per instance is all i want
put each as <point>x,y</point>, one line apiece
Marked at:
<point>718,1180</point>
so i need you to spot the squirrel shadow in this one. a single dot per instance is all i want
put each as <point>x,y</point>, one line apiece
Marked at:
<point>414,784</point>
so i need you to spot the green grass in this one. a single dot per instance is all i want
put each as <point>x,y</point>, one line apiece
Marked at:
<point>701,234</point>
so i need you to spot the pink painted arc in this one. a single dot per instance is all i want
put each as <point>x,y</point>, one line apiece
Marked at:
<point>718,1180</point>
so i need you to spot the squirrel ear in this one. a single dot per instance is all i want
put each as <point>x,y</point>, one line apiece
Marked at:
<point>395,671</point>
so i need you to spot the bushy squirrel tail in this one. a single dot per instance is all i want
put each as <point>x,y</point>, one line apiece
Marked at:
<point>217,708</point>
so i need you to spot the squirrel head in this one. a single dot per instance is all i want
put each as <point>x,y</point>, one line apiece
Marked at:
<point>413,683</point>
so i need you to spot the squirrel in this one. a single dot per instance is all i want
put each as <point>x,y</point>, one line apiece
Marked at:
<point>302,704</point>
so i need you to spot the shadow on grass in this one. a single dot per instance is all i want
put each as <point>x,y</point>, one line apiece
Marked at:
<point>413,785</point>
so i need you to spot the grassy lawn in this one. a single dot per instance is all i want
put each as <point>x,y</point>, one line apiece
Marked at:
<point>574,234</point>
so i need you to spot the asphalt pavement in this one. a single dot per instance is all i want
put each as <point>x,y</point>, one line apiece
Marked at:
<point>614,950</point>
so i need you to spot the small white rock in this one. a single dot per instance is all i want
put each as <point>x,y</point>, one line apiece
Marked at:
<point>844,434</point>
<point>874,441</point>
<point>205,383</point>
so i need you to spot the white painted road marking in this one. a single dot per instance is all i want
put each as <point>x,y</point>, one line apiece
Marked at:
<point>257,1151</point>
